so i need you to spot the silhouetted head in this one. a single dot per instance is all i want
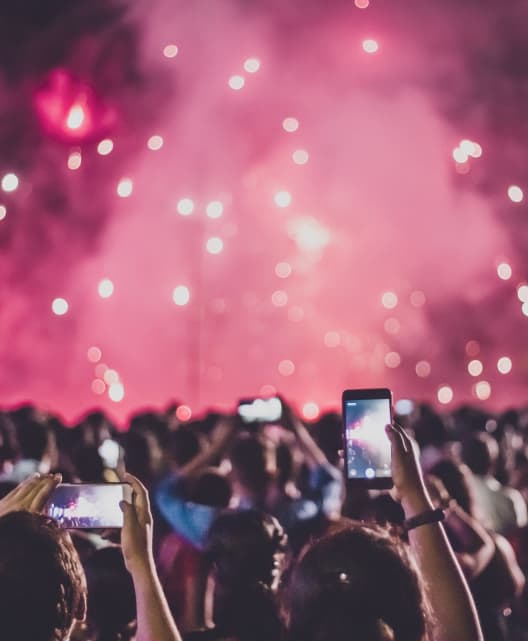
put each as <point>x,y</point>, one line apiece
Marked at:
<point>183,445</point>
<point>357,583</point>
<point>250,462</point>
<point>479,452</point>
<point>42,583</point>
<point>456,481</point>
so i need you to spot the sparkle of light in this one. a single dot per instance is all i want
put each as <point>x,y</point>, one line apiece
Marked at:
<point>308,233</point>
<point>98,386</point>
<point>3,212</point>
<point>392,360</point>
<point>472,348</point>
<point>515,194</point>
<point>392,326</point>
<point>214,209</point>
<point>524,309</point>
<point>105,288</point>
<point>170,51</point>
<point>125,187</point>
<point>116,392</point>
<point>75,117</point>
<point>155,142</point>
<point>361,4</point>
<point>475,367</point>
<point>183,413</point>
<point>236,82</point>
<point>422,369</point>
<point>252,65</point>
<point>286,368</point>
<point>504,271</point>
<point>59,306</point>
<point>181,295</point>
<point>522,293</point>
<point>370,46</point>
<point>445,394</point>
<point>94,354</point>
<point>282,198</point>
<point>300,156</point>
<point>214,245</point>
<point>482,390</point>
<point>105,147</point>
<point>290,124</point>
<point>459,155</point>
<point>74,160</point>
<point>279,298</point>
<point>310,411</point>
<point>10,182</point>
<point>185,206</point>
<point>111,376</point>
<point>283,270</point>
<point>389,300</point>
<point>504,364</point>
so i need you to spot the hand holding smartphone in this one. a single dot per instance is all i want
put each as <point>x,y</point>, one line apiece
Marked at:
<point>366,413</point>
<point>87,506</point>
<point>260,410</point>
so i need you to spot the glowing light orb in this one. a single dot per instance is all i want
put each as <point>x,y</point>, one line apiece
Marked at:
<point>105,147</point>
<point>515,194</point>
<point>283,270</point>
<point>214,209</point>
<point>110,377</point>
<point>310,411</point>
<point>170,51</point>
<point>482,390</point>
<point>476,152</point>
<point>522,293</point>
<point>75,118</point>
<point>185,206</point>
<point>116,392</point>
<point>300,156</point>
<point>370,46</point>
<point>282,199</point>
<point>290,124</point>
<point>332,338</point>
<point>181,295</point>
<point>98,386</point>
<point>236,82</point>
<point>125,187</point>
<point>445,394</point>
<point>155,142</point>
<point>74,160</point>
<point>389,300</point>
<point>422,369</point>
<point>361,4</point>
<point>308,233</point>
<point>459,155</point>
<point>184,413</point>
<point>252,65</point>
<point>3,212</point>
<point>10,182</point>
<point>279,298</point>
<point>504,271</point>
<point>504,365</point>
<point>472,348</point>
<point>214,245</point>
<point>392,360</point>
<point>475,367</point>
<point>105,288</point>
<point>59,306</point>
<point>524,309</point>
<point>94,354</point>
<point>392,326</point>
<point>286,368</point>
<point>100,369</point>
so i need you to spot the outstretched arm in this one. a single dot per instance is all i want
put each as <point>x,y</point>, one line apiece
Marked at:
<point>454,614</point>
<point>220,439</point>
<point>155,622</point>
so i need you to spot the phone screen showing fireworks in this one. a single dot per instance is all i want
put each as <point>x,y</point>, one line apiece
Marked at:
<point>88,505</point>
<point>366,413</point>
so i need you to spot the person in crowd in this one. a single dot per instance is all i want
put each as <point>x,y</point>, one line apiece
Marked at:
<point>244,551</point>
<point>487,558</point>
<point>501,508</point>
<point>360,583</point>
<point>42,582</point>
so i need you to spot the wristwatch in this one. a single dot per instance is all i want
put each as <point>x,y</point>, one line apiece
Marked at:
<point>429,516</point>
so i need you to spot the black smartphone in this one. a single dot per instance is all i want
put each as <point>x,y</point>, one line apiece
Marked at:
<point>366,412</point>
<point>260,410</point>
<point>87,505</point>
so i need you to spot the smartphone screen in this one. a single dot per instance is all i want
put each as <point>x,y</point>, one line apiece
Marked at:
<point>367,446</point>
<point>88,506</point>
<point>260,410</point>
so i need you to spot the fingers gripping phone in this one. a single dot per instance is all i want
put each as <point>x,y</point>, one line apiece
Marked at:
<point>85,505</point>
<point>366,412</point>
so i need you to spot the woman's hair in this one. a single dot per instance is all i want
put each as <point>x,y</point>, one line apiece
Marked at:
<point>243,549</point>
<point>356,583</point>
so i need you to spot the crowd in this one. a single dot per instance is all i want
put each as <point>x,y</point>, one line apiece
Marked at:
<point>250,534</point>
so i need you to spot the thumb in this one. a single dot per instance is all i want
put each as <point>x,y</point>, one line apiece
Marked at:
<point>395,439</point>
<point>129,514</point>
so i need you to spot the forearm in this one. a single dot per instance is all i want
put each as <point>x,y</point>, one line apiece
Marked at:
<point>154,619</point>
<point>314,455</point>
<point>454,615</point>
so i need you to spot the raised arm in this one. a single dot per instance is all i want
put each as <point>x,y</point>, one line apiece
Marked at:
<point>220,439</point>
<point>454,614</point>
<point>154,619</point>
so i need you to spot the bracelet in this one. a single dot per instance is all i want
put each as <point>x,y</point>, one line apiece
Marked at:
<point>429,516</point>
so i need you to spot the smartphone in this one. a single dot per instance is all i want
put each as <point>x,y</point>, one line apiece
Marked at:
<point>367,448</point>
<point>110,452</point>
<point>86,505</point>
<point>260,410</point>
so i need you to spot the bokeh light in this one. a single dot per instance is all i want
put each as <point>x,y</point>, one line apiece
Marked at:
<point>155,142</point>
<point>279,298</point>
<point>214,209</point>
<point>185,206</point>
<point>286,368</point>
<point>183,413</point>
<point>116,392</point>
<point>214,245</point>
<point>472,348</point>
<point>392,360</point>
<point>504,271</point>
<point>290,124</point>
<point>445,394</point>
<point>105,147</point>
<point>482,390</point>
<point>370,46</point>
<point>515,194</point>
<point>94,354</point>
<point>300,156</point>
<point>423,369</point>
<point>74,160</point>
<point>170,51</point>
<point>282,199</point>
<point>76,117</point>
<point>125,187</point>
<point>283,270</point>
<point>475,367</point>
<point>362,4</point>
<point>236,82</point>
<point>181,295</point>
<point>522,293</point>
<point>3,212</point>
<point>504,365</point>
<point>10,182</point>
<point>98,386</point>
<point>105,288</point>
<point>389,300</point>
<point>252,65</point>
<point>59,306</point>
<point>310,411</point>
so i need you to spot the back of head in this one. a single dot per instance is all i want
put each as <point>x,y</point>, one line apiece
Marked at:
<point>33,438</point>
<point>42,584</point>
<point>112,605</point>
<point>183,445</point>
<point>250,463</point>
<point>243,549</point>
<point>209,488</point>
<point>357,583</point>
<point>456,482</point>
<point>479,452</point>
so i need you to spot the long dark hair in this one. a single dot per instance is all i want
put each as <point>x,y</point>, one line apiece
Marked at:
<point>243,549</point>
<point>356,583</point>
